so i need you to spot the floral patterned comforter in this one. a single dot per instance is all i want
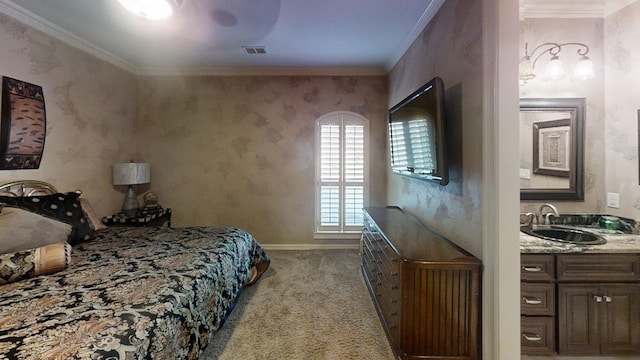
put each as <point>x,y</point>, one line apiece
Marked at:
<point>132,293</point>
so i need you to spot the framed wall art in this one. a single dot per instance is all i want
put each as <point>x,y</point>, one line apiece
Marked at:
<point>552,147</point>
<point>23,125</point>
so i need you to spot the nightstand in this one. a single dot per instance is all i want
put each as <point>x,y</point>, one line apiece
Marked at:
<point>157,218</point>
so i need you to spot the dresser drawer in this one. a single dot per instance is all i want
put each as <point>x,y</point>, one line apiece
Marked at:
<point>538,299</point>
<point>598,267</point>
<point>537,267</point>
<point>537,335</point>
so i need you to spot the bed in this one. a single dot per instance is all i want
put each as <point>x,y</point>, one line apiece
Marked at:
<point>124,292</point>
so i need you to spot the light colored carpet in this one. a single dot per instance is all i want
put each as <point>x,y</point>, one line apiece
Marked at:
<point>308,305</point>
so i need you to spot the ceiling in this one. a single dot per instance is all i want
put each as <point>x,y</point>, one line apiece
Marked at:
<point>350,37</point>
<point>210,35</point>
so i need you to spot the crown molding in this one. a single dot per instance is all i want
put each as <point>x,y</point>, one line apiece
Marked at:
<point>32,20</point>
<point>568,10</point>
<point>417,29</point>
<point>261,71</point>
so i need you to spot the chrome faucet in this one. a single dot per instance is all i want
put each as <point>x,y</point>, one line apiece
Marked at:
<point>544,218</point>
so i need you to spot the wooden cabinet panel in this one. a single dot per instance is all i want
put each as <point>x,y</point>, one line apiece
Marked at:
<point>538,335</point>
<point>598,267</point>
<point>537,267</point>
<point>425,288</point>
<point>538,299</point>
<point>621,319</point>
<point>599,319</point>
<point>578,319</point>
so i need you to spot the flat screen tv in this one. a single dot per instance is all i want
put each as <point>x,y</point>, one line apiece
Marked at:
<point>417,134</point>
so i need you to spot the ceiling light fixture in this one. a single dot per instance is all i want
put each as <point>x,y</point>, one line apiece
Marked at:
<point>149,9</point>
<point>554,69</point>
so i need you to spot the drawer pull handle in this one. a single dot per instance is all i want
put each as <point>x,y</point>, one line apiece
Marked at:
<point>531,300</point>
<point>607,299</point>
<point>394,273</point>
<point>597,298</point>
<point>531,337</point>
<point>531,268</point>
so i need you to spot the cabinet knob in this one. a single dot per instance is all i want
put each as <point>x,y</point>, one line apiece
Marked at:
<point>531,337</point>
<point>597,298</point>
<point>607,298</point>
<point>531,300</point>
<point>531,268</point>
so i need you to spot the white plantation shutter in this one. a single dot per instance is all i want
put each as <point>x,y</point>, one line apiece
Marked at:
<point>342,172</point>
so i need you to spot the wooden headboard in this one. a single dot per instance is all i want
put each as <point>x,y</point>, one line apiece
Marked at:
<point>27,188</point>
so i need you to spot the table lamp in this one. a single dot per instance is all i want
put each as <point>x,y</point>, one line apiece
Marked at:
<point>131,174</point>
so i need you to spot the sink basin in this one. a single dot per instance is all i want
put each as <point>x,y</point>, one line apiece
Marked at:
<point>564,234</point>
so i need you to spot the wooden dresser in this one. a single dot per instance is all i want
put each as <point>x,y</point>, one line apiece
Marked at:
<point>426,289</point>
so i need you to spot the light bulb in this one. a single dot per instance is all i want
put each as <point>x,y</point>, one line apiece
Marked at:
<point>526,69</point>
<point>149,9</point>
<point>554,70</point>
<point>583,69</point>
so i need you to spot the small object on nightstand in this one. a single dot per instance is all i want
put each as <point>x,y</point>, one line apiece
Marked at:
<point>157,217</point>
<point>150,200</point>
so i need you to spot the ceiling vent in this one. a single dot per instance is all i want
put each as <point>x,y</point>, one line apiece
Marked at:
<point>255,49</point>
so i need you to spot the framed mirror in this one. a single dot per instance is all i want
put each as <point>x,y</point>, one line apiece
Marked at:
<point>552,148</point>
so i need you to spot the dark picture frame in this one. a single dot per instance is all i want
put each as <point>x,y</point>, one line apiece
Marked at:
<point>23,125</point>
<point>552,148</point>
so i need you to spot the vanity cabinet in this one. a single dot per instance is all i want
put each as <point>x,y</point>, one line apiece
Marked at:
<point>599,304</point>
<point>591,300</point>
<point>538,304</point>
<point>425,288</point>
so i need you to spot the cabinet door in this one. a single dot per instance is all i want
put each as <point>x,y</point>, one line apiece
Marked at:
<point>620,332</point>
<point>578,319</point>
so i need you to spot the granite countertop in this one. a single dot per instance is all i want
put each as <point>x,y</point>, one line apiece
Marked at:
<point>616,243</point>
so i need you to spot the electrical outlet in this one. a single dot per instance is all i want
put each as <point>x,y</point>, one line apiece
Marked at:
<point>613,200</point>
<point>525,174</point>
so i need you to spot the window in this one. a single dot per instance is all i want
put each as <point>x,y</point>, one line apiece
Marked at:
<point>341,174</point>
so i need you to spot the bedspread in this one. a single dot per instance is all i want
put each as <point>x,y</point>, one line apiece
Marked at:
<point>132,293</point>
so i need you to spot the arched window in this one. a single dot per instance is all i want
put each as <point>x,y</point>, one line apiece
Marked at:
<point>342,174</point>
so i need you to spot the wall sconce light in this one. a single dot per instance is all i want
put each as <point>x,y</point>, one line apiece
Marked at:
<point>554,69</point>
<point>131,174</point>
<point>150,9</point>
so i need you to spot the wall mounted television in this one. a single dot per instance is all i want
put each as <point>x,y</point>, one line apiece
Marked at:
<point>417,134</point>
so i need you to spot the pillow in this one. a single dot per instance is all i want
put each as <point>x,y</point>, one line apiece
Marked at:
<point>22,230</point>
<point>33,262</point>
<point>94,221</point>
<point>64,207</point>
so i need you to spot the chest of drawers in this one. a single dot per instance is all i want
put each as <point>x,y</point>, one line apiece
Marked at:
<point>425,288</point>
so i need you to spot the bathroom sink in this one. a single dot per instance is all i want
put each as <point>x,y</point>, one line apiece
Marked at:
<point>564,234</point>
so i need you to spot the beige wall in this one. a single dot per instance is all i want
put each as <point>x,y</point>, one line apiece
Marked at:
<point>587,31</point>
<point>449,47</point>
<point>239,151</point>
<point>622,102</point>
<point>90,107</point>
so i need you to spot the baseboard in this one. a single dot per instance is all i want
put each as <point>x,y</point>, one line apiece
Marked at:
<point>354,246</point>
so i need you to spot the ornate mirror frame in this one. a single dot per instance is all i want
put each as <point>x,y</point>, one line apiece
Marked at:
<point>576,108</point>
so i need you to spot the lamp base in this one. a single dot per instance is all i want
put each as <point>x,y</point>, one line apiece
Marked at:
<point>130,205</point>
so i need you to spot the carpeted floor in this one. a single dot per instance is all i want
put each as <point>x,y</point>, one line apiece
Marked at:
<point>308,305</point>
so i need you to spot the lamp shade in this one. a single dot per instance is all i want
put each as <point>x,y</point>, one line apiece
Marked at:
<point>131,173</point>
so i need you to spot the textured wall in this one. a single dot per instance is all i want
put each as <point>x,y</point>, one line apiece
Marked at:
<point>622,89</point>
<point>590,32</point>
<point>449,47</point>
<point>240,150</point>
<point>90,107</point>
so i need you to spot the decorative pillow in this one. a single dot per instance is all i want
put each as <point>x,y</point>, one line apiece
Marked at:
<point>62,206</point>
<point>29,263</point>
<point>94,221</point>
<point>22,230</point>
